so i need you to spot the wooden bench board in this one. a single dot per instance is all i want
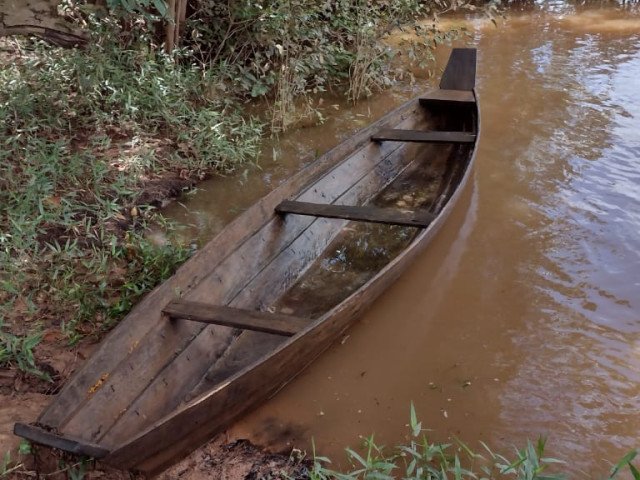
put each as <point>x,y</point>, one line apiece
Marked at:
<point>275,323</point>
<point>367,213</point>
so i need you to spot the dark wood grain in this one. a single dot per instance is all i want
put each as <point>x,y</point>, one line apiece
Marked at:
<point>460,72</point>
<point>266,322</point>
<point>397,135</point>
<point>367,213</point>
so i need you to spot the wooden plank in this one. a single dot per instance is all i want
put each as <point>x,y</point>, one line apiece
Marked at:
<point>367,213</point>
<point>50,439</point>
<point>418,136</point>
<point>460,72</point>
<point>450,96</point>
<point>266,322</point>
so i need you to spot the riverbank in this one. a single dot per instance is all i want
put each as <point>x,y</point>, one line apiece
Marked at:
<point>97,140</point>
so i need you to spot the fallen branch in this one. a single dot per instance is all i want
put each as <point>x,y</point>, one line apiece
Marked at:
<point>39,18</point>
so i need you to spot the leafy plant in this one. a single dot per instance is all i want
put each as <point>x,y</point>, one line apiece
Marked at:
<point>626,462</point>
<point>78,470</point>
<point>18,350</point>
<point>421,459</point>
<point>139,6</point>
<point>5,466</point>
<point>25,447</point>
<point>288,49</point>
<point>8,466</point>
<point>85,133</point>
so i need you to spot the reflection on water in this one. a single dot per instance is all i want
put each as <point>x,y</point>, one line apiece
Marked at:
<point>523,316</point>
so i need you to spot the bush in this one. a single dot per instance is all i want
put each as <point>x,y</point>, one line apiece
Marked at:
<point>88,136</point>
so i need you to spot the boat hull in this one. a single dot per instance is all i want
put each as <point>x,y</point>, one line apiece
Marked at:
<point>150,395</point>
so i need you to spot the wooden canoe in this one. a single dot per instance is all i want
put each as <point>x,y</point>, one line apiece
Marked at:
<point>273,290</point>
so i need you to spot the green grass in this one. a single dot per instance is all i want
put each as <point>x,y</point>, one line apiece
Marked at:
<point>89,138</point>
<point>19,350</point>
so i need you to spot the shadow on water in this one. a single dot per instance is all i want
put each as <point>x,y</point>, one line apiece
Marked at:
<point>522,318</point>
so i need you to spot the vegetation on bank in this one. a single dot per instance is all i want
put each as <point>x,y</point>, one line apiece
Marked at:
<point>94,139</point>
<point>418,459</point>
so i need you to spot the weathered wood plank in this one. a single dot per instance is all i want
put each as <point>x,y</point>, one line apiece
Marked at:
<point>367,213</point>
<point>396,135</point>
<point>451,96</point>
<point>266,322</point>
<point>460,72</point>
<point>50,439</point>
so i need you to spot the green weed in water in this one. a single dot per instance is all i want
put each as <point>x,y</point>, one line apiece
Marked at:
<point>421,459</point>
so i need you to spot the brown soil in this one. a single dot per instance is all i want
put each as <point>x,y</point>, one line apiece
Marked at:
<point>239,460</point>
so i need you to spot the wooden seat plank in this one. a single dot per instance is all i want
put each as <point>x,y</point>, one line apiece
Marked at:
<point>266,322</point>
<point>395,135</point>
<point>448,96</point>
<point>389,216</point>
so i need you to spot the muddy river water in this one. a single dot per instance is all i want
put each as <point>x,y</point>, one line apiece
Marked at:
<point>522,318</point>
